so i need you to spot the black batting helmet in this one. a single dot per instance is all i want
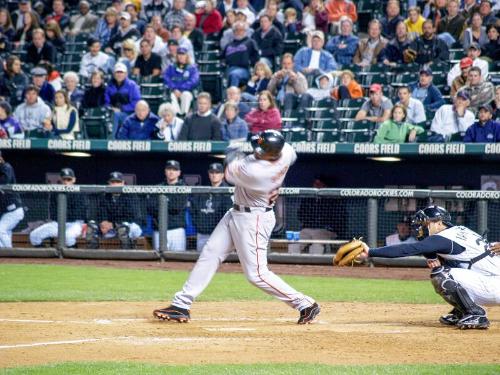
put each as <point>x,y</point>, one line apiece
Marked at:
<point>427,215</point>
<point>268,143</point>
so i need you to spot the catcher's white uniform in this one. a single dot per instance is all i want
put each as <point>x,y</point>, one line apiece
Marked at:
<point>247,228</point>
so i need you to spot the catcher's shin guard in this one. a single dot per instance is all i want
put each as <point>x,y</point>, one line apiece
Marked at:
<point>123,235</point>
<point>92,235</point>
<point>454,293</point>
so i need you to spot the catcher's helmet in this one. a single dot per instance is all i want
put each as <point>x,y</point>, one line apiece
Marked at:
<point>268,143</point>
<point>427,215</point>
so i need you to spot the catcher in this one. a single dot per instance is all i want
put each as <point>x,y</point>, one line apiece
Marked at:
<point>465,270</point>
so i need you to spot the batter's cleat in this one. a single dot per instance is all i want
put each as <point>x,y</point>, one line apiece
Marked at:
<point>308,314</point>
<point>473,322</point>
<point>172,313</point>
<point>451,318</point>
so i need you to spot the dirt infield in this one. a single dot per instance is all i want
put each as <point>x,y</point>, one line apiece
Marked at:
<point>239,332</point>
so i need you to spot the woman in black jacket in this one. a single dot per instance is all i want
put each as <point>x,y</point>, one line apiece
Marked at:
<point>94,95</point>
<point>13,81</point>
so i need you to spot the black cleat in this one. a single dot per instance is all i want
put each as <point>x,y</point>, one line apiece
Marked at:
<point>308,314</point>
<point>473,322</point>
<point>451,318</point>
<point>172,313</point>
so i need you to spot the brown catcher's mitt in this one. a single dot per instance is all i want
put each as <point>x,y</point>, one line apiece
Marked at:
<point>495,247</point>
<point>409,55</point>
<point>346,254</point>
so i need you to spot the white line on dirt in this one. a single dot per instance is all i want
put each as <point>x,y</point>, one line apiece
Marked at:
<point>68,342</point>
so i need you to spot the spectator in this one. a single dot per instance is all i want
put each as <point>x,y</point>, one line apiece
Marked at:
<point>94,96</point>
<point>461,80</point>
<point>24,35</point>
<point>452,118</point>
<point>426,92</point>
<point>151,8</point>
<point>337,9</point>
<point>228,24</point>
<point>429,48</point>
<point>480,92</point>
<point>13,81</point>
<point>244,7</point>
<point>75,94</point>
<point>47,91</point>
<point>476,33</point>
<point>9,126</point>
<point>83,22</point>
<point>169,126</point>
<point>369,48</point>
<point>34,115</point>
<point>397,130</point>
<point>233,94</point>
<point>415,112</point>
<point>64,117</point>
<point>391,19</point>
<point>224,7</point>
<point>348,88</point>
<point>182,78</point>
<point>275,15</point>
<point>228,34</point>
<point>377,108</point>
<point>194,34</point>
<point>473,52</point>
<point>491,50</point>
<point>202,125</point>
<point>287,84</point>
<point>6,27</point>
<point>94,59</point>
<point>486,130</point>
<point>208,19</point>
<point>148,63</point>
<point>258,82</point>
<point>19,14</point>
<point>54,35</point>
<point>435,11</point>
<point>291,22</point>
<point>53,76</point>
<point>269,40</point>
<point>314,60</point>
<point>469,7</point>
<point>487,13</point>
<point>39,49</point>
<point>139,126</point>
<point>156,42</point>
<point>208,209</point>
<point>125,31</point>
<point>176,15</point>
<point>58,15</point>
<point>129,54</point>
<point>121,95</point>
<point>324,86</point>
<point>233,126</point>
<point>266,116</point>
<point>394,52</point>
<point>170,57</point>
<point>344,45</point>
<point>176,33</point>
<point>415,21</point>
<point>239,55</point>
<point>162,32</point>
<point>135,21</point>
<point>402,235</point>
<point>107,26</point>
<point>315,17</point>
<point>450,27</point>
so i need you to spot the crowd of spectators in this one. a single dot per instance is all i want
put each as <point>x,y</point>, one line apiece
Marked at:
<point>437,61</point>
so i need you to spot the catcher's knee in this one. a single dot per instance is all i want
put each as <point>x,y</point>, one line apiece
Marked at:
<point>442,281</point>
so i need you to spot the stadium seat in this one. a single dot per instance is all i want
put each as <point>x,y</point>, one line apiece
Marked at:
<point>332,135</point>
<point>94,123</point>
<point>293,42</point>
<point>357,131</point>
<point>295,134</point>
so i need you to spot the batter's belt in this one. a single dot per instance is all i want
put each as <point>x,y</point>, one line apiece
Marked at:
<point>241,208</point>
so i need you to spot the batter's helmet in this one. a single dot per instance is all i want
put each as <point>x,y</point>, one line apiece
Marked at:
<point>427,215</point>
<point>268,143</point>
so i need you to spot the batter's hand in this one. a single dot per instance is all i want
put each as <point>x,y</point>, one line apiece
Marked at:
<point>273,196</point>
<point>433,263</point>
<point>495,248</point>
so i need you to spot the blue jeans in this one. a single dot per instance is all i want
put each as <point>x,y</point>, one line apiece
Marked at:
<point>235,75</point>
<point>447,38</point>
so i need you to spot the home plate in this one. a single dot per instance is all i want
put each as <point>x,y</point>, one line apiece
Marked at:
<point>231,329</point>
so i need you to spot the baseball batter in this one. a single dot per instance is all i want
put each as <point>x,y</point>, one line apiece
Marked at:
<point>247,228</point>
<point>465,272</point>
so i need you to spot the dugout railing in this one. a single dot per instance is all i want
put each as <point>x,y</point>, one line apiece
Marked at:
<point>369,213</point>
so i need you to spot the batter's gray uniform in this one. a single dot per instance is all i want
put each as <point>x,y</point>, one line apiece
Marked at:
<point>247,228</point>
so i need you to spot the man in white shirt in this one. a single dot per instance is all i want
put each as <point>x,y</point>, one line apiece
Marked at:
<point>95,59</point>
<point>473,52</point>
<point>453,118</point>
<point>156,42</point>
<point>415,112</point>
<point>402,235</point>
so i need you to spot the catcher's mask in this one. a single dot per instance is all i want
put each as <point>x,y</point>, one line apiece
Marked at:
<point>421,220</point>
<point>268,144</point>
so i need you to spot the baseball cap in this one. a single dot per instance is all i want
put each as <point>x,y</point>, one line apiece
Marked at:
<point>376,87</point>
<point>120,67</point>
<point>38,71</point>
<point>318,34</point>
<point>427,71</point>
<point>67,173</point>
<point>201,4</point>
<point>463,95</point>
<point>216,167</point>
<point>182,50</point>
<point>125,15</point>
<point>116,176</point>
<point>475,46</point>
<point>466,62</point>
<point>172,42</point>
<point>172,164</point>
<point>487,107</point>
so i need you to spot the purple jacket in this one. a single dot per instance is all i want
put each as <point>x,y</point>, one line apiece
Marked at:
<point>124,97</point>
<point>12,127</point>
<point>182,79</point>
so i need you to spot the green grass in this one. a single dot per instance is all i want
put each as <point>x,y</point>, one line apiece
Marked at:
<point>77,283</point>
<point>105,368</point>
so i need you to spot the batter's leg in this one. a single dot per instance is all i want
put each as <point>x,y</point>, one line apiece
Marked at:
<point>251,233</point>
<point>47,230</point>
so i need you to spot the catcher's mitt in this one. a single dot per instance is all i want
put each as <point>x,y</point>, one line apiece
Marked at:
<point>347,254</point>
<point>409,55</point>
<point>495,248</point>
